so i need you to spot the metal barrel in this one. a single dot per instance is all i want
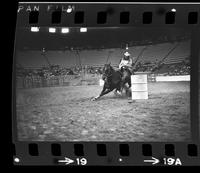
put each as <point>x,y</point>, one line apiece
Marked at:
<point>139,86</point>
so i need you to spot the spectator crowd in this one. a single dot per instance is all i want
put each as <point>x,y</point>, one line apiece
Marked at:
<point>156,67</point>
<point>56,70</point>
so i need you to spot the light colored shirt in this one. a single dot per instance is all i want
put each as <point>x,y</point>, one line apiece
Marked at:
<point>127,63</point>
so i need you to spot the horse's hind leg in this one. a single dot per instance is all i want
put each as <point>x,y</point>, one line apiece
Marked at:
<point>117,91</point>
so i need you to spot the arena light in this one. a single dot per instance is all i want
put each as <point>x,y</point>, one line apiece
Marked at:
<point>83,29</point>
<point>69,9</point>
<point>43,50</point>
<point>173,10</point>
<point>65,30</point>
<point>35,29</point>
<point>52,30</point>
<point>126,46</point>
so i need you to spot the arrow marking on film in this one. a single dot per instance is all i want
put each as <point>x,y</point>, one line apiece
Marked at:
<point>66,161</point>
<point>153,161</point>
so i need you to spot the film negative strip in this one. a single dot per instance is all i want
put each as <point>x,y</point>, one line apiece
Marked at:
<point>106,84</point>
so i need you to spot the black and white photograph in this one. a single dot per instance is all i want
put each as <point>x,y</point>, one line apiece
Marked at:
<point>102,84</point>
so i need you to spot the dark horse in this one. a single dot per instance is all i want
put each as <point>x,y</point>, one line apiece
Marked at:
<point>114,79</point>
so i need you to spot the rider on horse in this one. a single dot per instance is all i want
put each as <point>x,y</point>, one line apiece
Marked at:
<point>126,61</point>
<point>117,79</point>
<point>126,68</point>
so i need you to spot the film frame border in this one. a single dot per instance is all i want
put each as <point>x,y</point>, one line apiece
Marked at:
<point>42,153</point>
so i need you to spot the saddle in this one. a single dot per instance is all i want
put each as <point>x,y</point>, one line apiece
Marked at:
<point>120,72</point>
<point>126,68</point>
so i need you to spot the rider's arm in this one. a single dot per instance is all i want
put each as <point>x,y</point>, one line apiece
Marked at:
<point>121,63</point>
<point>131,61</point>
<point>120,60</point>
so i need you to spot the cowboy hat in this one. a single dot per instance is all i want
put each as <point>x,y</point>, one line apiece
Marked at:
<point>126,54</point>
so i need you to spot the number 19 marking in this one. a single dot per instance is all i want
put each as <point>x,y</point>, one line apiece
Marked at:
<point>81,161</point>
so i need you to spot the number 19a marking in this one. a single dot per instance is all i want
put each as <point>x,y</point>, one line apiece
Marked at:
<point>172,161</point>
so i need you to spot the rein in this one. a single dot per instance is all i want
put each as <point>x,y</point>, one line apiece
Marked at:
<point>109,75</point>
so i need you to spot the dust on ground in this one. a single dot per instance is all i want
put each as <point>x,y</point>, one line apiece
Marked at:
<point>68,114</point>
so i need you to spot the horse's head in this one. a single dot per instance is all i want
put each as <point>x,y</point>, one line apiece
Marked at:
<point>107,71</point>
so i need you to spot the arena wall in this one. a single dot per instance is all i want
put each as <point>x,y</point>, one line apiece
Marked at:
<point>172,78</point>
<point>68,80</point>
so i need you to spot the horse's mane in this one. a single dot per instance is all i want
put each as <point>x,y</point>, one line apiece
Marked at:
<point>111,68</point>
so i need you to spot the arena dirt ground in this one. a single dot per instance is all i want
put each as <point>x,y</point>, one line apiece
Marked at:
<point>68,114</point>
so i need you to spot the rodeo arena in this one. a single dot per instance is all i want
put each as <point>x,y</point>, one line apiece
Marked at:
<point>60,74</point>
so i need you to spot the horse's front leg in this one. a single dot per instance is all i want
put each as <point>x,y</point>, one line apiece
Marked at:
<point>95,98</point>
<point>122,85</point>
<point>104,91</point>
